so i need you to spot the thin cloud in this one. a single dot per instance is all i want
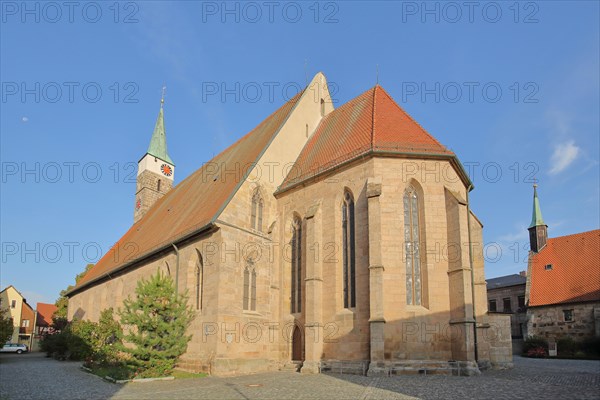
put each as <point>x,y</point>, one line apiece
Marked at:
<point>563,156</point>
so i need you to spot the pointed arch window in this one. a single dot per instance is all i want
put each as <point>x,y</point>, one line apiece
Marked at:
<point>348,249</point>
<point>199,287</point>
<point>412,243</point>
<point>296,287</point>
<point>249,287</point>
<point>256,214</point>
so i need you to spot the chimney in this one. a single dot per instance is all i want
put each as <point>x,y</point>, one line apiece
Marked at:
<point>523,273</point>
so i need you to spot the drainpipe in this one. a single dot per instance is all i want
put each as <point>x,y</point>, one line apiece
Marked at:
<point>472,273</point>
<point>176,269</point>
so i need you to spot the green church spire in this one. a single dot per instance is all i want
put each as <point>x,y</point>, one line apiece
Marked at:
<point>158,143</point>
<point>536,217</point>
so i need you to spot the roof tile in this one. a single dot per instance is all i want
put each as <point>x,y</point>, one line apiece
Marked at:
<point>194,202</point>
<point>372,121</point>
<point>575,272</point>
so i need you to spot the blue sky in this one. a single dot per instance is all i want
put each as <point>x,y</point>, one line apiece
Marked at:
<point>511,88</point>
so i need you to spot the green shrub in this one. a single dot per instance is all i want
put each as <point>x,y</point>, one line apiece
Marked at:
<point>533,342</point>
<point>590,346</point>
<point>566,346</point>
<point>86,340</point>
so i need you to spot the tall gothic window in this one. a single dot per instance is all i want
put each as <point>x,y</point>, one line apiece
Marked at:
<point>256,215</point>
<point>199,282</point>
<point>348,250</point>
<point>296,266</point>
<point>249,287</point>
<point>412,245</point>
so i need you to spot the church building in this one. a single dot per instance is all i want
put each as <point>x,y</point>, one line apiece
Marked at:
<point>323,239</point>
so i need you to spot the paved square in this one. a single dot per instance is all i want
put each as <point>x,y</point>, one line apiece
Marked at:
<point>32,376</point>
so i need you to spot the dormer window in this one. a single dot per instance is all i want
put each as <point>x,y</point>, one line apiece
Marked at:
<point>548,267</point>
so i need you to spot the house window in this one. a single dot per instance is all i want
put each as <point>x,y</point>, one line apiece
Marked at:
<point>322,108</point>
<point>412,245</point>
<point>548,267</point>
<point>348,247</point>
<point>306,130</point>
<point>568,315</point>
<point>25,323</point>
<point>296,288</point>
<point>492,307</point>
<point>158,186</point>
<point>256,214</point>
<point>249,287</point>
<point>199,282</point>
<point>521,300</point>
<point>506,302</point>
<point>13,304</point>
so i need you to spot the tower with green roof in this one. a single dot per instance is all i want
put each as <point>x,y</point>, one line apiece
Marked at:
<point>538,230</point>
<point>156,170</point>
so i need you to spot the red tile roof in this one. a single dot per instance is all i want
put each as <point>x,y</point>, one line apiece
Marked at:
<point>575,273</point>
<point>370,122</point>
<point>194,203</point>
<point>45,313</point>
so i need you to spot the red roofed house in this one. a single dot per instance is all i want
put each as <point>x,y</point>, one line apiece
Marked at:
<point>323,238</point>
<point>563,282</point>
<point>43,323</point>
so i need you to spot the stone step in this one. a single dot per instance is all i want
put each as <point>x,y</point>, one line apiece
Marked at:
<point>293,366</point>
<point>345,367</point>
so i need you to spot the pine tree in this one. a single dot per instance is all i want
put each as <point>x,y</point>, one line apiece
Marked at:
<point>157,320</point>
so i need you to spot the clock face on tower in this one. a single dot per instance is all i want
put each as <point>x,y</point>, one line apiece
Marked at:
<point>166,169</point>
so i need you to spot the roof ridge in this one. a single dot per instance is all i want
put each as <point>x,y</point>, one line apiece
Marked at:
<point>575,234</point>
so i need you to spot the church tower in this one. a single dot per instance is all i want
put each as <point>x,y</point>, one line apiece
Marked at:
<point>155,170</point>
<point>538,230</point>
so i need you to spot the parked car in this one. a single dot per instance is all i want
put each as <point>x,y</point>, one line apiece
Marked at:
<point>14,348</point>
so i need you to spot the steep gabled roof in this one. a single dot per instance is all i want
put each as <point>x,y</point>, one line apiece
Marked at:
<point>372,122</point>
<point>194,203</point>
<point>575,272</point>
<point>505,281</point>
<point>44,314</point>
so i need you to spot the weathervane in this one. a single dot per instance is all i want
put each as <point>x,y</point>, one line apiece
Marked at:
<point>162,98</point>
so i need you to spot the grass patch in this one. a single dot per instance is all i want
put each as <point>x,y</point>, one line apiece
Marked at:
<point>117,372</point>
<point>179,374</point>
<point>122,372</point>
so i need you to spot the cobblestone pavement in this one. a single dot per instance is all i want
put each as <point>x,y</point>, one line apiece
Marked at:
<point>32,376</point>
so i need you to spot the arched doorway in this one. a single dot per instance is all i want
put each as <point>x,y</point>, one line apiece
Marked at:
<point>297,344</point>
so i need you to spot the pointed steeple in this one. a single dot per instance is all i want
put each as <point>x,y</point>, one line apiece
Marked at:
<point>536,217</point>
<point>158,143</point>
<point>538,230</point>
<point>156,170</point>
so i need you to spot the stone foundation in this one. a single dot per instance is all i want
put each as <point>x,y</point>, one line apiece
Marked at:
<point>428,367</point>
